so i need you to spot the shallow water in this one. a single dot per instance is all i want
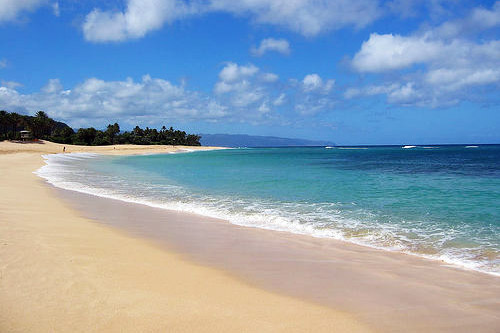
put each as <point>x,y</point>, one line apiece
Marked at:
<point>440,202</point>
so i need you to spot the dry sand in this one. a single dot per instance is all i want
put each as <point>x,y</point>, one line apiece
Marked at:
<point>45,147</point>
<point>61,272</point>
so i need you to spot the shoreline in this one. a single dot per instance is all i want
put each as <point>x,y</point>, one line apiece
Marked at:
<point>387,291</point>
<point>61,271</point>
<point>373,288</point>
<point>444,261</point>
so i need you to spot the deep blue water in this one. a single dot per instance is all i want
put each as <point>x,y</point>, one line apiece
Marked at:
<point>441,202</point>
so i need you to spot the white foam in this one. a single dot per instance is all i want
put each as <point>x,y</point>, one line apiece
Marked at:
<point>408,147</point>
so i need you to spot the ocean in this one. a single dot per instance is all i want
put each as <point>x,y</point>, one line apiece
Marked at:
<point>438,202</point>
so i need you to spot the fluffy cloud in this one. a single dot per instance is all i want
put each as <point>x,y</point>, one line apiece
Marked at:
<point>246,87</point>
<point>313,82</point>
<point>99,101</point>
<point>433,67</point>
<point>53,86</point>
<point>242,93</point>
<point>11,9</point>
<point>388,52</point>
<point>307,17</point>
<point>140,17</point>
<point>233,72</point>
<point>479,19</point>
<point>313,95</point>
<point>270,44</point>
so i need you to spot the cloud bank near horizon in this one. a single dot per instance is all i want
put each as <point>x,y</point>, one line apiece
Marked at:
<point>243,93</point>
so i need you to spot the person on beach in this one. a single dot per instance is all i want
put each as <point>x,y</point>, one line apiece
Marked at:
<point>64,149</point>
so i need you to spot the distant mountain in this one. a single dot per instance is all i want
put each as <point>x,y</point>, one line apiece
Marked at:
<point>243,140</point>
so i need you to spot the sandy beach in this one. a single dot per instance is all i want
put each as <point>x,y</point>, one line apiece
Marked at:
<point>72,261</point>
<point>60,271</point>
<point>250,166</point>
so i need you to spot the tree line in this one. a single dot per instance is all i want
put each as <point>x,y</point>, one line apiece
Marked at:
<point>43,127</point>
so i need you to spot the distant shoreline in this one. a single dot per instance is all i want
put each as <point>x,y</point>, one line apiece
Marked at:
<point>128,149</point>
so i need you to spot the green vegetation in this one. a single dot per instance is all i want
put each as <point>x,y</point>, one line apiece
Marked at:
<point>44,127</point>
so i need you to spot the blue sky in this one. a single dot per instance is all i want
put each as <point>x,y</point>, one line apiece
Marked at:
<point>350,71</point>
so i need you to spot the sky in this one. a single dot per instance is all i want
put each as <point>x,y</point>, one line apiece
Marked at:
<point>349,71</point>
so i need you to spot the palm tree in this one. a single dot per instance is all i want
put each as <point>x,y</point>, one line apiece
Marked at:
<point>112,131</point>
<point>4,122</point>
<point>17,121</point>
<point>41,125</point>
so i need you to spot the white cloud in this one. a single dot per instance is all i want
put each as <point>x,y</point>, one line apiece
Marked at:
<point>3,63</point>
<point>104,26</point>
<point>140,17</point>
<point>248,96</point>
<point>240,85</point>
<point>479,19</point>
<point>486,18</point>
<point>243,93</point>
<point>53,86</point>
<point>11,84</point>
<point>313,82</point>
<point>454,79</point>
<point>10,10</point>
<point>370,90</point>
<point>280,100</point>
<point>389,52</point>
<point>256,94</point>
<point>264,108</point>
<point>310,106</point>
<point>405,95</point>
<point>432,67</point>
<point>270,44</point>
<point>97,101</point>
<point>269,77</point>
<point>233,72</point>
<point>313,95</point>
<point>307,17</point>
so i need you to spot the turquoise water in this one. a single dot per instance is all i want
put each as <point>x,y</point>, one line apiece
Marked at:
<point>438,202</point>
